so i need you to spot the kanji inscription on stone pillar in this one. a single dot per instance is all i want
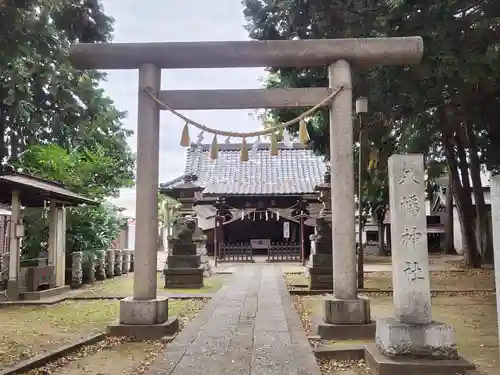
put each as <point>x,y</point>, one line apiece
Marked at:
<point>410,263</point>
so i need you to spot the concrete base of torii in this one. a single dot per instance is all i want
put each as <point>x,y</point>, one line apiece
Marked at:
<point>346,320</point>
<point>144,320</point>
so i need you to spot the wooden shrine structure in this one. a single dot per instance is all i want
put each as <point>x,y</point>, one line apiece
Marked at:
<point>265,206</point>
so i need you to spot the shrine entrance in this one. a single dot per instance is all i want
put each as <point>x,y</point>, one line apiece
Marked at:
<point>339,55</point>
<point>273,235</point>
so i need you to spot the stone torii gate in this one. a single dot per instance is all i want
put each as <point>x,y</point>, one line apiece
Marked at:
<point>340,55</point>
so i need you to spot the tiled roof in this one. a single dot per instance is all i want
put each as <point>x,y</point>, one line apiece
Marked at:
<point>295,171</point>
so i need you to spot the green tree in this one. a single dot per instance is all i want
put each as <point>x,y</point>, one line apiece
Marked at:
<point>444,108</point>
<point>85,172</point>
<point>54,120</point>
<point>42,98</point>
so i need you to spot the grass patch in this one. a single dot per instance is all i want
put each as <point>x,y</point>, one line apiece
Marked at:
<point>123,286</point>
<point>446,280</point>
<point>335,367</point>
<point>472,317</point>
<point>119,355</point>
<point>440,280</point>
<point>29,331</point>
<point>296,279</point>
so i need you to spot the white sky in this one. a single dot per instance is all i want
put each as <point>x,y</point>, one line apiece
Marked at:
<point>178,20</point>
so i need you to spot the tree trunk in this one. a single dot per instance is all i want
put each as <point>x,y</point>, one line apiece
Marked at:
<point>380,212</point>
<point>449,245</point>
<point>14,146</point>
<point>485,239</point>
<point>381,242</point>
<point>3,144</point>
<point>388,238</point>
<point>459,173</point>
<point>430,192</point>
<point>464,206</point>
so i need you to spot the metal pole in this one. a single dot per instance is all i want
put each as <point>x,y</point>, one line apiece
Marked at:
<point>216,243</point>
<point>361,109</point>
<point>302,250</point>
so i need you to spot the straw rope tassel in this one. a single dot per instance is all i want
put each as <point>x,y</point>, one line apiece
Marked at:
<point>303,133</point>
<point>274,144</point>
<point>214,150</point>
<point>373,163</point>
<point>185,140</point>
<point>244,150</point>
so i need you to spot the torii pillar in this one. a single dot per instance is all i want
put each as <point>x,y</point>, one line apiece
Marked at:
<point>144,310</point>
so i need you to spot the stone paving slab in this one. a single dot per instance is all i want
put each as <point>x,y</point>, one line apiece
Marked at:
<point>249,327</point>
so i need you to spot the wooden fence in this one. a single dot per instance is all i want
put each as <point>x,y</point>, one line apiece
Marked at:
<point>283,252</point>
<point>240,252</point>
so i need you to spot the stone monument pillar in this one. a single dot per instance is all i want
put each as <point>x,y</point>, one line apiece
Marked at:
<point>320,267</point>
<point>411,333</point>
<point>184,268</point>
<point>76,269</point>
<point>495,220</point>
<point>118,262</point>
<point>110,263</point>
<point>100,270</point>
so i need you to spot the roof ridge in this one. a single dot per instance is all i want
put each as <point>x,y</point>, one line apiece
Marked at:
<point>205,147</point>
<point>296,170</point>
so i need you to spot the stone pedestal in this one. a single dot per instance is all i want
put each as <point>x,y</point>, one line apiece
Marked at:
<point>201,249</point>
<point>184,268</point>
<point>144,319</point>
<point>341,311</point>
<point>433,340</point>
<point>320,267</point>
<point>411,336</point>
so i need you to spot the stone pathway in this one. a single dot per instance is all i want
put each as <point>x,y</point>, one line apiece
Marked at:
<point>249,327</point>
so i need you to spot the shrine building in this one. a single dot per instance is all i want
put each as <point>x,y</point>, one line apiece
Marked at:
<point>265,206</point>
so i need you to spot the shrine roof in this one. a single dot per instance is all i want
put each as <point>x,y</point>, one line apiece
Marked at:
<point>296,170</point>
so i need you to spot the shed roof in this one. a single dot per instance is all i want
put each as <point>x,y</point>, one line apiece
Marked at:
<point>34,190</point>
<point>294,171</point>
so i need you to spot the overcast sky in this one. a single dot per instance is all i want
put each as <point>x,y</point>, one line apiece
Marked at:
<point>178,21</point>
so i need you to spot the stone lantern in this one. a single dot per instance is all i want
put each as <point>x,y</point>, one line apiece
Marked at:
<point>320,266</point>
<point>188,193</point>
<point>325,196</point>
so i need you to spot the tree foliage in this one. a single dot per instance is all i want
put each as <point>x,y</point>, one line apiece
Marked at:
<point>54,120</point>
<point>445,108</point>
<point>89,228</point>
